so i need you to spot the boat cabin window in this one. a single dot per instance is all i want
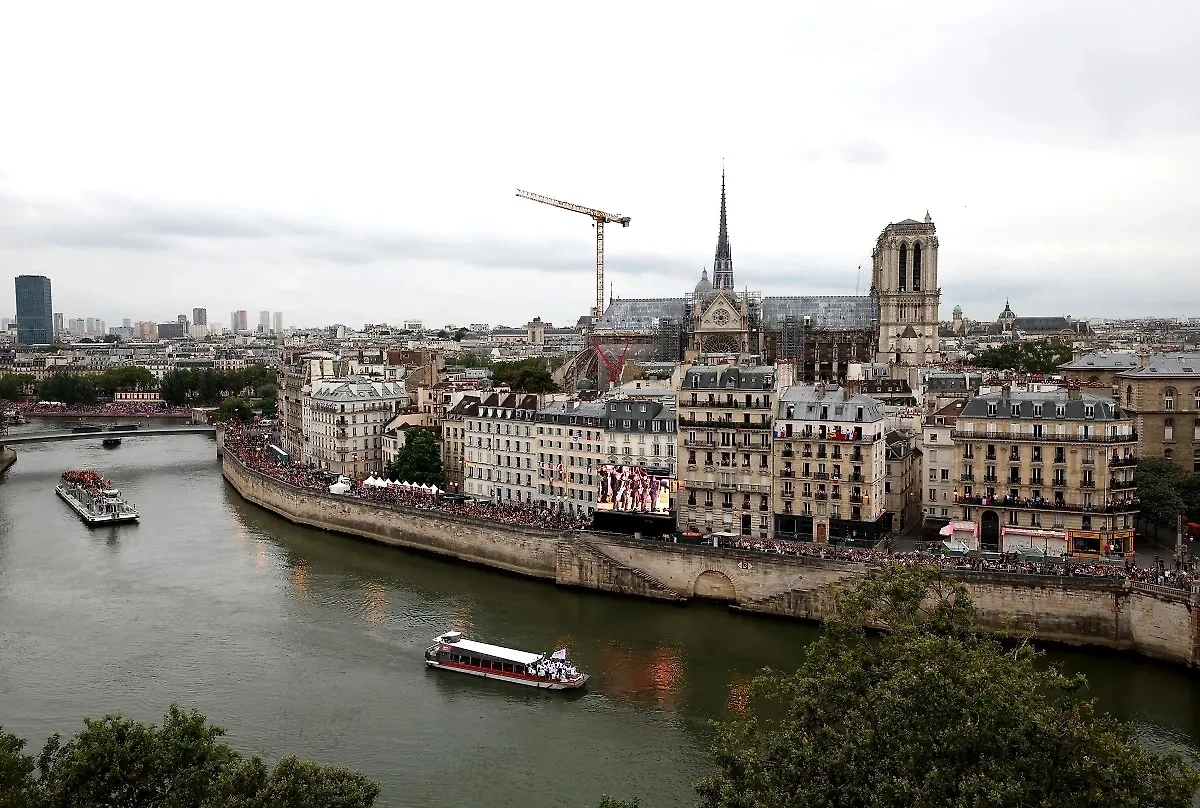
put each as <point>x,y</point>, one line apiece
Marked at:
<point>508,668</point>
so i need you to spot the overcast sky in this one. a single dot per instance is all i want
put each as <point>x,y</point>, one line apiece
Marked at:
<point>359,163</point>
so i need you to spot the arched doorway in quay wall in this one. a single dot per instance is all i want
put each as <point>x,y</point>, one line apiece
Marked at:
<point>989,531</point>
<point>714,585</point>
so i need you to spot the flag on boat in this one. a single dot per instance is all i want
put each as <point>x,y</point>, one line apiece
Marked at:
<point>561,653</point>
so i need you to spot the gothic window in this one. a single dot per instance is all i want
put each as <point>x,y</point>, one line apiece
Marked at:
<point>916,267</point>
<point>903,268</point>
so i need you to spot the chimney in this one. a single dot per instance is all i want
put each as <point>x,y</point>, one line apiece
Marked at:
<point>1073,392</point>
<point>1143,358</point>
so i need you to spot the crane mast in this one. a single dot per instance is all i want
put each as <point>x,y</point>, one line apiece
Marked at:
<point>600,218</point>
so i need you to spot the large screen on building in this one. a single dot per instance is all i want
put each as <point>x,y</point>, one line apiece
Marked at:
<point>633,489</point>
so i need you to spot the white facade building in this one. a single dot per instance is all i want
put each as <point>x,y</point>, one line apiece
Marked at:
<point>501,450</point>
<point>343,421</point>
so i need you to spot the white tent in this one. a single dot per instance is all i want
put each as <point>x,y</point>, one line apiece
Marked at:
<point>391,483</point>
<point>433,489</point>
<point>338,488</point>
<point>369,482</point>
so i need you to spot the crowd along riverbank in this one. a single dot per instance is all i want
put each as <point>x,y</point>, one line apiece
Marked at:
<point>1155,621</point>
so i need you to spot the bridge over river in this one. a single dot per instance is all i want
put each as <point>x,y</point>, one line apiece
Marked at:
<point>152,432</point>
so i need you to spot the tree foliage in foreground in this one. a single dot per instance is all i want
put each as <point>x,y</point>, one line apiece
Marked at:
<point>182,763</point>
<point>930,714</point>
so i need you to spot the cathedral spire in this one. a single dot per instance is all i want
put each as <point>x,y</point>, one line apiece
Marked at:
<point>723,262</point>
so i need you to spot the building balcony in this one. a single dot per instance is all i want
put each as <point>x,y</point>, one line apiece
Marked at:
<point>1087,483</point>
<point>820,475</point>
<point>1014,481</point>
<point>1118,462</point>
<point>967,478</point>
<point>991,479</point>
<point>835,495</point>
<point>787,473</point>
<point>1023,437</point>
<point>787,454</point>
<point>699,444</point>
<point>806,453</point>
<point>1130,505</point>
<point>856,499</point>
<point>1117,485</point>
<point>821,495</point>
<point>690,424</point>
<point>855,478</point>
<point>787,494</point>
<point>753,488</point>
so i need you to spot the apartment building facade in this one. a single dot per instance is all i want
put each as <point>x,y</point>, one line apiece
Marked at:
<point>454,441</point>
<point>1050,469</point>
<point>939,467</point>
<point>343,422</point>
<point>570,450</point>
<point>501,448</point>
<point>829,459</point>
<point>725,414</point>
<point>1163,398</point>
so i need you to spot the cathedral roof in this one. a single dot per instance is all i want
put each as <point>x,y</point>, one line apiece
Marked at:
<point>831,311</point>
<point>704,285</point>
<point>641,313</point>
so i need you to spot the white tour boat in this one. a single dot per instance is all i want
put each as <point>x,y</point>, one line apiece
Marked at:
<point>555,672</point>
<point>94,499</point>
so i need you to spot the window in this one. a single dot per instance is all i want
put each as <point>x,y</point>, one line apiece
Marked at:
<point>1168,454</point>
<point>933,495</point>
<point>916,267</point>
<point>1169,398</point>
<point>903,286</point>
<point>1169,429</point>
<point>1196,460</point>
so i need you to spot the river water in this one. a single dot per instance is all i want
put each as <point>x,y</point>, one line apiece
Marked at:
<point>303,642</point>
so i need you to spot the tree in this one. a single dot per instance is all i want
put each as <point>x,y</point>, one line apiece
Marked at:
<point>931,713</point>
<point>182,762</point>
<point>461,333</point>
<point>234,408</point>
<point>13,385</point>
<point>1036,356</point>
<point>174,388</point>
<point>526,375</point>
<point>68,388</point>
<point>418,461</point>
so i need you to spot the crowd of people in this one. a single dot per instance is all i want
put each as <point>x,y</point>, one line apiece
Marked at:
<point>88,480</point>
<point>1180,577</point>
<point>250,446</point>
<point>146,408</point>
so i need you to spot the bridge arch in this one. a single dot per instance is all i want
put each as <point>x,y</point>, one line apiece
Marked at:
<point>714,585</point>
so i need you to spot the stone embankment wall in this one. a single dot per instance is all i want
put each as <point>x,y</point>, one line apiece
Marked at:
<point>520,550</point>
<point>1153,621</point>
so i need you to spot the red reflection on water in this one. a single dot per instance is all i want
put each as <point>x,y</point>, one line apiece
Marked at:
<point>460,618</point>
<point>641,678</point>
<point>739,695</point>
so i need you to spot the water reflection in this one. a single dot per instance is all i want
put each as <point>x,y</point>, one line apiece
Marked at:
<point>641,678</point>
<point>376,604</point>
<point>739,695</point>
<point>300,578</point>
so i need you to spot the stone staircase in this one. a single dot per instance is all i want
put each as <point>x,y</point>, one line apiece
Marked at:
<point>613,575</point>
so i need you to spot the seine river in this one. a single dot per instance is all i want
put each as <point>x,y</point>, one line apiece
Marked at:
<point>303,642</point>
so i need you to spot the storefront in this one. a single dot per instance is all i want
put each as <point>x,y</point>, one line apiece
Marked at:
<point>964,532</point>
<point>1050,542</point>
<point>1087,544</point>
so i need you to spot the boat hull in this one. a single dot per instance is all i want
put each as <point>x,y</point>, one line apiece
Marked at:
<point>92,519</point>
<point>515,678</point>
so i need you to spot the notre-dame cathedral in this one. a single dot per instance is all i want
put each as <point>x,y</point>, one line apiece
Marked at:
<point>895,323</point>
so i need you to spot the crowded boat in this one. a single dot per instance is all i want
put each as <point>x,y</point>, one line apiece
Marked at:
<point>452,651</point>
<point>96,500</point>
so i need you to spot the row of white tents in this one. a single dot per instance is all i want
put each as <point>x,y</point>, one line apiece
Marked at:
<point>380,482</point>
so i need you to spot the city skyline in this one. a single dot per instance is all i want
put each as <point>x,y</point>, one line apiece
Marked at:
<point>1047,143</point>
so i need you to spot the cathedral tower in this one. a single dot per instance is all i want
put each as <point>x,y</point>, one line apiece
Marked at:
<point>904,280</point>
<point>723,262</point>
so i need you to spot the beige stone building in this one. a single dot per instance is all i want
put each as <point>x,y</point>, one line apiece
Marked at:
<point>1164,399</point>
<point>940,467</point>
<point>501,448</point>
<point>454,441</point>
<point>724,440</point>
<point>296,375</point>
<point>902,479</point>
<point>904,277</point>
<point>829,466</point>
<point>571,448</point>
<point>1051,470</point>
<point>343,423</point>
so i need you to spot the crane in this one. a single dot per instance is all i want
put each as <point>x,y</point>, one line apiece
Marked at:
<point>600,218</point>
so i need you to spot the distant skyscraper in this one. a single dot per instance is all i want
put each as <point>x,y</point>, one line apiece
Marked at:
<point>58,323</point>
<point>277,322</point>
<point>90,328</point>
<point>199,316</point>
<point>98,327</point>
<point>35,310</point>
<point>126,323</point>
<point>182,320</point>
<point>238,321</point>
<point>76,327</point>
<point>264,321</point>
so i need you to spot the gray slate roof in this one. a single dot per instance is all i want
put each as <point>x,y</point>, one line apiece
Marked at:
<point>806,400</point>
<point>641,313</point>
<point>830,311</point>
<point>730,377</point>
<point>1105,408</point>
<point>1102,360</point>
<point>1176,364</point>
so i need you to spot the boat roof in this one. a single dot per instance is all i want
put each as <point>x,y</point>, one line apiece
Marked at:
<point>512,655</point>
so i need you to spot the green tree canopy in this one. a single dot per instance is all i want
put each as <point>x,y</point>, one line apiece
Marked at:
<point>526,376</point>
<point>1036,356</point>
<point>234,408</point>
<point>182,763</point>
<point>418,460</point>
<point>68,388</point>
<point>930,714</point>
<point>13,385</point>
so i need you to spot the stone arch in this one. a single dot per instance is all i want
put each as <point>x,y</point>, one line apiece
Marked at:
<point>714,585</point>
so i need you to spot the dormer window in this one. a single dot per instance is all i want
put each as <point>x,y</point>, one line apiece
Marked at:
<point>1037,410</point>
<point>1089,411</point>
<point>991,408</point>
<point>1015,410</point>
<point>1060,410</point>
